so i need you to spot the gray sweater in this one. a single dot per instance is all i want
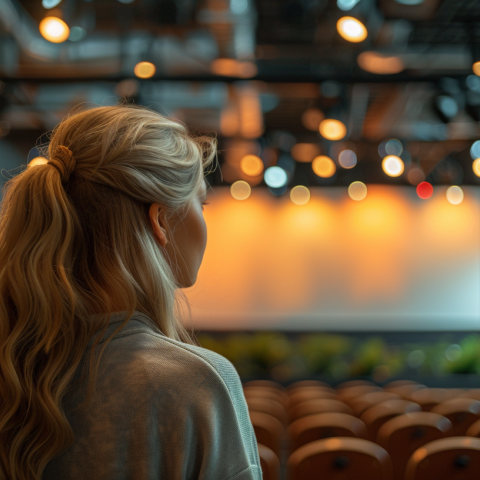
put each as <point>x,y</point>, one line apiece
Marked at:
<point>163,410</point>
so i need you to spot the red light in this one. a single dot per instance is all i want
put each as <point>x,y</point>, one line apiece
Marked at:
<point>424,190</point>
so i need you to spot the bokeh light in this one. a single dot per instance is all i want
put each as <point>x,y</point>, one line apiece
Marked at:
<point>476,167</point>
<point>476,68</point>
<point>37,161</point>
<point>332,129</point>
<point>475,150</point>
<point>144,70</point>
<point>77,34</point>
<point>394,147</point>
<point>454,195</point>
<point>54,29</point>
<point>357,191</point>
<point>393,165</point>
<point>231,67</point>
<point>50,3</point>
<point>346,5</point>
<point>305,152</point>
<point>352,29</point>
<point>415,175</point>
<point>251,165</point>
<point>379,64</point>
<point>311,118</point>
<point>323,166</point>
<point>240,190</point>
<point>424,190</point>
<point>347,159</point>
<point>275,177</point>
<point>300,195</point>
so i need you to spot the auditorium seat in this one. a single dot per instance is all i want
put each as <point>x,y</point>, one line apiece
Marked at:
<point>339,458</point>
<point>307,383</point>
<point>302,394</point>
<point>324,425</point>
<point>350,394</point>
<point>264,383</point>
<point>427,398</point>
<point>269,431</point>
<point>260,392</point>
<point>267,405</point>
<point>401,436</point>
<point>269,463</point>
<point>322,405</point>
<point>405,391</point>
<point>452,458</point>
<point>462,412</point>
<point>375,416</point>
<point>362,403</point>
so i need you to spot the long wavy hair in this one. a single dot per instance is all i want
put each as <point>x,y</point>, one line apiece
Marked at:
<point>65,245</point>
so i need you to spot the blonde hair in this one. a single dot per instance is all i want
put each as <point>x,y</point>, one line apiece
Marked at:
<point>66,237</point>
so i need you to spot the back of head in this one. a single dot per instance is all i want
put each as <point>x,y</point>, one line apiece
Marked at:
<point>72,232</point>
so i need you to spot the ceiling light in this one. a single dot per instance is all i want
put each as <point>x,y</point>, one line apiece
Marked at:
<point>54,29</point>
<point>352,29</point>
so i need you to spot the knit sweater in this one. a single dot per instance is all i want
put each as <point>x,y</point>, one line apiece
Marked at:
<point>162,410</point>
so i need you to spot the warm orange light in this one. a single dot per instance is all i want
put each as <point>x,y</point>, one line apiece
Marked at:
<point>352,29</point>
<point>305,152</point>
<point>476,68</point>
<point>476,167</point>
<point>251,165</point>
<point>54,29</point>
<point>374,62</point>
<point>357,191</point>
<point>393,165</point>
<point>332,129</point>
<point>311,118</point>
<point>300,195</point>
<point>37,161</point>
<point>233,68</point>
<point>240,190</point>
<point>144,70</point>
<point>323,166</point>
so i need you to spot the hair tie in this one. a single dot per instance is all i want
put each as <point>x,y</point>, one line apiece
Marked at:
<point>64,161</point>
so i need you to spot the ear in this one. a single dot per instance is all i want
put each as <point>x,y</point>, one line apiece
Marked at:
<point>157,219</point>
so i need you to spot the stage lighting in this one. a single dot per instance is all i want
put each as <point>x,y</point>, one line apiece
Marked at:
<point>357,191</point>
<point>475,150</point>
<point>332,129</point>
<point>54,29</point>
<point>352,29</point>
<point>240,190</point>
<point>393,165</point>
<point>347,159</point>
<point>476,167</point>
<point>275,177</point>
<point>251,165</point>
<point>323,166</point>
<point>144,70</point>
<point>424,190</point>
<point>454,195</point>
<point>300,195</point>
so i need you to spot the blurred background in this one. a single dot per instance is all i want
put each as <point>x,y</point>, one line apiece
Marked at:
<point>343,222</point>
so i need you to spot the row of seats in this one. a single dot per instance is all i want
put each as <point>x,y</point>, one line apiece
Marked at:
<point>394,430</point>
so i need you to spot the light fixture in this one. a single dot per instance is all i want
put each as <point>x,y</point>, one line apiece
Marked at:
<point>251,165</point>
<point>275,177</point>
<point>352,29</point>
<point>357,191</point>
<point>393,165</point>
<point>144,69</point>
<point>323,166</point>
<point>54,29</point>
<point>332,129</point>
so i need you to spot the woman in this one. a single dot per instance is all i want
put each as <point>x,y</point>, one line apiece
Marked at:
<point>94,246</point>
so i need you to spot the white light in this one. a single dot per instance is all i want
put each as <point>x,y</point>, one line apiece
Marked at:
<point>454,195</point>
<point>346,5</point>
<point>275,177</point>
<point>352,28</point>
<point>347,159</point>
<point>475,150</point>
<point>50,3</point>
